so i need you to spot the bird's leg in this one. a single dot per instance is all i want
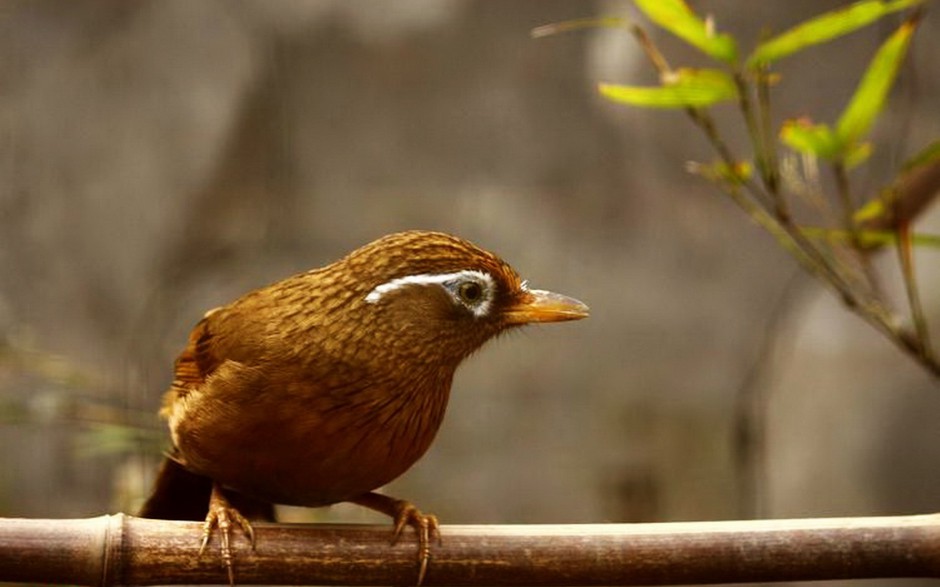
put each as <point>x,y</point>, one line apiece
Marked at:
<point>222,515</point>
<point>404,513</point>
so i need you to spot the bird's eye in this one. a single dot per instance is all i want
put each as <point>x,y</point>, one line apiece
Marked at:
<point>470,292</point>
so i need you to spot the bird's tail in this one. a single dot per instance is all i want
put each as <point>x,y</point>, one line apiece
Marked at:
<point>179,494</point>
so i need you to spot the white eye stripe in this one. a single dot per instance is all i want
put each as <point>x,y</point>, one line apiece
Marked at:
<point>436,279</point>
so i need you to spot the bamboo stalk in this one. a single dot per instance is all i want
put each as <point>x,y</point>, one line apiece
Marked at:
<point>123,550</point>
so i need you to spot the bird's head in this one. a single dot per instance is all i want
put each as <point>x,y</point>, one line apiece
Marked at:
<point>438,298</point>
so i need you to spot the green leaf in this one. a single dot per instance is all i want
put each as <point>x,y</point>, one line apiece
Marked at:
<point>736,174</point>
<point>676,17</point>
<point>855,154</point>
<point>815,139</point>
<point>873,210</point>
<point>720,172</point>
<point>685,88</point>
<point>869,97</point>
<point>926,240</point>
<point>824,28</point>
<point>870,238</point>
<point>844,142</point>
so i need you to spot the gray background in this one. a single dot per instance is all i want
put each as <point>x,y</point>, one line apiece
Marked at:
<point>160,158</point>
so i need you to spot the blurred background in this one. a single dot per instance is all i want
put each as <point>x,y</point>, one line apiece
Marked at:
<point>160,158</point>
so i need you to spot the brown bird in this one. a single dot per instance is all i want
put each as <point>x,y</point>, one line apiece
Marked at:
<point>329,384</point>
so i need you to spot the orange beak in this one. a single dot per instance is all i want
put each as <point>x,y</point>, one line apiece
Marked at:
<point>536,305</point>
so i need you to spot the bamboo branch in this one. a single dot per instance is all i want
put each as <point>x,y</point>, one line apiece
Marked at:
<point>123,550</point>
<point>772,162</point>
<point>918,316</point>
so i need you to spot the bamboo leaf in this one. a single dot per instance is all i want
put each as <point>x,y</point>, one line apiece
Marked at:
<point>856,153</point>
<point>676,17</point>
<point>824,28</point>
<point>844,142</point>
<point>685,88</point>
<point>876,208</point>
<point>719,171</point>
<point>870,238</point>
<point>815,139</point>
<point>869,98</point>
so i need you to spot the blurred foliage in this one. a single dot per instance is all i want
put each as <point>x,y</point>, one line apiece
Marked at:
<point>824,28</point>
<point>58,395</point>
<point>835,253</point>
<point>676,17</point>
<point>686,88</point>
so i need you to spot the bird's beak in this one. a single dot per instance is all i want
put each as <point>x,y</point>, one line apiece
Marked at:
<point>536,305</point>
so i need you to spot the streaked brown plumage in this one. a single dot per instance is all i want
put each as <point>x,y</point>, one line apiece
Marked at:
<point>329,384</point>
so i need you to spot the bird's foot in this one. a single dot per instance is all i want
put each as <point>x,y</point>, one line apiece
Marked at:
<point>427,527</point>
<point>404,513</point>
<point>224,516</point>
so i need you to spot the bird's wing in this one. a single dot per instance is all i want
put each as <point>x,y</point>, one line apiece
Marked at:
<point>198,360</point>
<point>214,349</point>
<point>191,369</point>
<point>211,343</point>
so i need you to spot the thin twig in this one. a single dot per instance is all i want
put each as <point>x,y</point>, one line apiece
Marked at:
<point>652,51</point>
<point>772,178</point>
<point>849,223</point>
<point>761,200</point>
<point>754,131</point>
<point>787,235</point>
<point>791,238</point>
<point>845,196</point>
<point>906,257</point>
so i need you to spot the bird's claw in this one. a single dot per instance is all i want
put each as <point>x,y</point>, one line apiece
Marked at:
<point>426,526</point>
<point>224,517</point>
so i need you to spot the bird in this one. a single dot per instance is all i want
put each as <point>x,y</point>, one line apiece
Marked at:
<point>325,386</point>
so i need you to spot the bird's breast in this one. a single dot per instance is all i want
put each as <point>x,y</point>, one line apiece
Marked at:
<point>309,446</point>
